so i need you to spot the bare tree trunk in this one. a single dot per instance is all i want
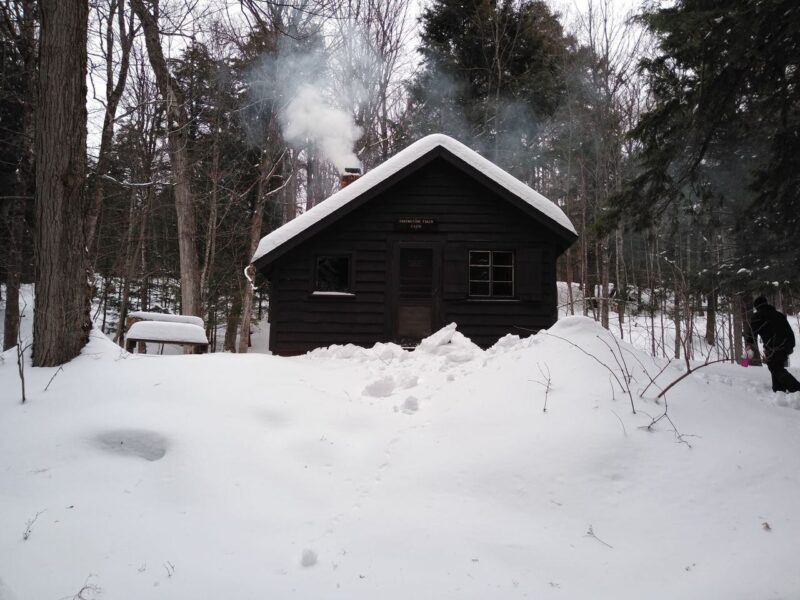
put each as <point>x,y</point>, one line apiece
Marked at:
<point>621,285</point>
<point>605,261</point>
<point>15,218</point>
<point>130,256</point>
<point>177,139</point>
<point>738,329</point>
<point>106,281</point>
<point>255,235</point>
<point>676,317</point>
<point>312,173</point>
<point>26,44</point>
<point>233,316</point>
<point>211,230</point>
<point>569,278</point>
<point>113,96</point>
<point>290,191</point>
<point>711,318</point>
<point>61,320</point>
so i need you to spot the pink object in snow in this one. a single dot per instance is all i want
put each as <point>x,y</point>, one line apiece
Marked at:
<point>745,362</point>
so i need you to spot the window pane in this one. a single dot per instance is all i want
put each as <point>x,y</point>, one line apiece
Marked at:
<point>501,288</point>
<point>477,257</point>
<point>479,273</point>
<point>491,273</point>
<point>479,288</point>
<point>502,274</point>
<point>503,258</point>
<point>333,274</point>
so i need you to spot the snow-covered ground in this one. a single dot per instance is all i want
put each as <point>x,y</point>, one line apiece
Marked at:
<point>655,334</point>
<point>380,473</point>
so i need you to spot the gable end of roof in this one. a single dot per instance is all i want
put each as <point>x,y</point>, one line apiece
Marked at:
<point>395,169</point>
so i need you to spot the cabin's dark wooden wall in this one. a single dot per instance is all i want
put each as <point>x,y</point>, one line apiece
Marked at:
<point>468,216</point>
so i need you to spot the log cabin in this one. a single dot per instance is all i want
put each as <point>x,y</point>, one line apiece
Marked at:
<point>436,234</point>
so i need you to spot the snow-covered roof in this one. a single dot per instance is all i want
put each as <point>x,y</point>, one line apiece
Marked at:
<point>400,160</point>
<point>154,316</point>
<point>163,331</point>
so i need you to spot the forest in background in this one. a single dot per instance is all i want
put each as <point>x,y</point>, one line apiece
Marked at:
<point>670,136</point>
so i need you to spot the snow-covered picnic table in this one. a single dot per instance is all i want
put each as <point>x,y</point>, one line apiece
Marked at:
<point>167,332</point>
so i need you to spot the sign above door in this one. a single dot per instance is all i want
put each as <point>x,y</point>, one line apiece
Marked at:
<point>421,224</point>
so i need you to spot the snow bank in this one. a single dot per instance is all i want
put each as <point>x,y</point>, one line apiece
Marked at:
<point>382,473</point>
<point>380,351</point>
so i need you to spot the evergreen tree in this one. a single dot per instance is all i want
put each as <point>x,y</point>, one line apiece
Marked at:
<point>724,131</point>
<point>492,73</point>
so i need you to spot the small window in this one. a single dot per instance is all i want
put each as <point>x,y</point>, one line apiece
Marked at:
<point>491,273</point>
<point>333,274</point>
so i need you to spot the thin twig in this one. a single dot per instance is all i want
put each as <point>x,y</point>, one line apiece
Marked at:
<point>590,533</point>
<point>545,384</point>
<point>29,525</point>
<point>620,422</point>
<point>21,352</point>
<point>646,372</point>
<point>625,373</point>
<point>610,370</point>
<point>85,591</point>
<point>61,368</point>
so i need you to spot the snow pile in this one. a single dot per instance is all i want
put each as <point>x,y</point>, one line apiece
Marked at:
<point>450,343</point>
<point>380,351</point>
<point>383,473</point>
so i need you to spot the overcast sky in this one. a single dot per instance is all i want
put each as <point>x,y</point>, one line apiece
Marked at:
<point>569,10</point>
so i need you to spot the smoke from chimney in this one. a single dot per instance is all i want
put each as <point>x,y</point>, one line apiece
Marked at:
<point>315,101</point>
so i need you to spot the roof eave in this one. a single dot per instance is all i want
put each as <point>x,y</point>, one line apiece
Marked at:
<point>564,235</point>
<point>266,259</point>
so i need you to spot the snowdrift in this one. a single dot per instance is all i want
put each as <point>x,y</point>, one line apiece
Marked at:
<point>382,473</point>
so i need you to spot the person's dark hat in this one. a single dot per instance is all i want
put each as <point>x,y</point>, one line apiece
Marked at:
<point>760,301</point>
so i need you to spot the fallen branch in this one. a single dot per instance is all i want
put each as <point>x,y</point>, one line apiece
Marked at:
<point>689,371</point>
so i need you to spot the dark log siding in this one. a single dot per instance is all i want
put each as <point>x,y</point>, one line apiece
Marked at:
<point>468,216</point>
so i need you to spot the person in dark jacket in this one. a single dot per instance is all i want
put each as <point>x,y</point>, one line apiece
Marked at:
<point>778,339</point>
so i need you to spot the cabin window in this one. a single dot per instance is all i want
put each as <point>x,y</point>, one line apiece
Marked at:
<point>491,273</point>
<point>332,274</point>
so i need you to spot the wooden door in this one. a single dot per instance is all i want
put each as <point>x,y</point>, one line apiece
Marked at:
<point>416,291</point>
